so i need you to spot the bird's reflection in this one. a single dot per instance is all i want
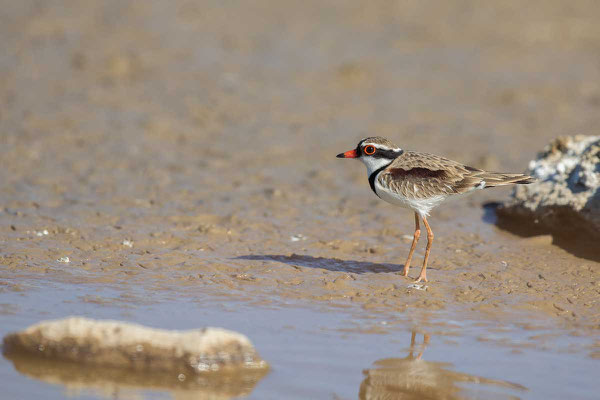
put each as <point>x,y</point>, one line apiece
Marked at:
<point>413,336</point>
<point>112,383</point>
<point>413,378</point>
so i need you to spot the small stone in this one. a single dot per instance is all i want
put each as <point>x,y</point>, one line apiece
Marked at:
<point>416,286</point>
<point>298,237</point>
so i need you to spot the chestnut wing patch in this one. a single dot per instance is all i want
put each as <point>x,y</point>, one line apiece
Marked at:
<point>417,173</point>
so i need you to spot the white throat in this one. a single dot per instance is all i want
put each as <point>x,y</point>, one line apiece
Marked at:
<point>373,164</point>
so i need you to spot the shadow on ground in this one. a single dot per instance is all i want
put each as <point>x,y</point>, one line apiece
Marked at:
<point>577,242</point>
<point>330,264</point>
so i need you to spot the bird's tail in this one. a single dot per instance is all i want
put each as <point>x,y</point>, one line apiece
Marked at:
<point>493,179</point>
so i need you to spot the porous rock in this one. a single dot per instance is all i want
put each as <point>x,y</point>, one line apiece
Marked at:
<point>126,345</point>
<point>567,196</point>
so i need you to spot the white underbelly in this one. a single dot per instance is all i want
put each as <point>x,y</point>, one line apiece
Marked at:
<point>421,206</point>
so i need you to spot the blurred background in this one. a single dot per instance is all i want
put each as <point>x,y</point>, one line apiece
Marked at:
<point>181,154</point>
<point>180,93</point>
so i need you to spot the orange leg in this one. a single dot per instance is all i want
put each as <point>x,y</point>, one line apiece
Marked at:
<point>412,247</point>
<point>423,274</point>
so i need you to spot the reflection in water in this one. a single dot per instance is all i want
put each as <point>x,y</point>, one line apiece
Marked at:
<point>124,384</point>
<point>414,378</point>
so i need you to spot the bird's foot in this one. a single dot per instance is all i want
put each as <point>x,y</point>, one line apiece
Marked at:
<point>421,278</point>
<point>406,268</point>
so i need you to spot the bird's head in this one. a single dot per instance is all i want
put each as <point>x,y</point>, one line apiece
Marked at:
<point>375,152</point>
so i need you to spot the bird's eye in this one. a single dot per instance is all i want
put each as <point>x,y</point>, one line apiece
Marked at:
<point>369,150</point>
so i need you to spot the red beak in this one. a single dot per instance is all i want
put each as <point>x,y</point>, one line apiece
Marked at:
<point>348,154</point>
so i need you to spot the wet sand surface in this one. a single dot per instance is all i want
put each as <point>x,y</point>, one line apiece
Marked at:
<point>173,163</point>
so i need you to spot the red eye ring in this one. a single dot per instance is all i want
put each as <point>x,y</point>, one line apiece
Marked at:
<point>369,150</point>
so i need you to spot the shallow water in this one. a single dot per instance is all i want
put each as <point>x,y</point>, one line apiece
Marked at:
<point>322,353</point>
<point>174,164</point>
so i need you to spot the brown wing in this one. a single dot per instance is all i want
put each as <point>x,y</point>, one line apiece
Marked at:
<point>421,175</point>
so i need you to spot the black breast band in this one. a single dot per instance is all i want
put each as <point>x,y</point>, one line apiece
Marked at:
<point>373,176</point>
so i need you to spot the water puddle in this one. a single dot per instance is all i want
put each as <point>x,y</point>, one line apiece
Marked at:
<point>314,353</point>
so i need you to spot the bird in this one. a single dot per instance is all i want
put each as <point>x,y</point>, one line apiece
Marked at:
<point>420,182</point>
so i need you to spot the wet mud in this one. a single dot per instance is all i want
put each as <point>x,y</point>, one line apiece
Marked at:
<point>184,153</point>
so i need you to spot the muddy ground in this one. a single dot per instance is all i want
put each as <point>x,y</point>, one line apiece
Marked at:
<point>188,149</point>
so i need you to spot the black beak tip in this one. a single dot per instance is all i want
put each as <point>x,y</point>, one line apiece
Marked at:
<point>341,155</point>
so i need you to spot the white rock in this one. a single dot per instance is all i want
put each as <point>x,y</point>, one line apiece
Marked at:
<point>121,344</point>
<point>567,196</point>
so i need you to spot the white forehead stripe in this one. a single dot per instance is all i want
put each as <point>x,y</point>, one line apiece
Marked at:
<point>381,146</point>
